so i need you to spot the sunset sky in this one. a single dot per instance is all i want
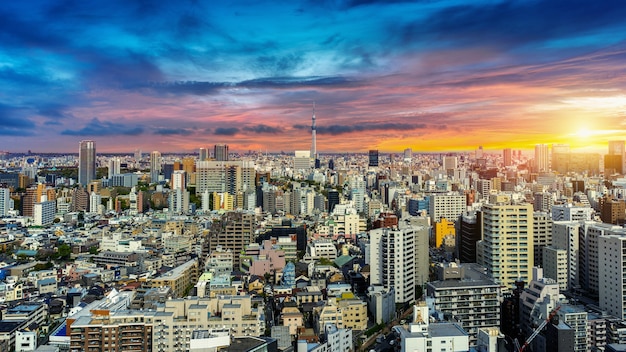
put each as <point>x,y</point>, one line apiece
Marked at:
<point>430,75</point>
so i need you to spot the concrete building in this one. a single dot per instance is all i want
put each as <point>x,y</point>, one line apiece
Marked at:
<point>612,271</point>
<point>180,279</point>
<point>302,160</point>
<point>317,249</point>
<point>392,261</point>
<point>421,335</point>
<point>155,166</point>
<point>86,162</point>
<point>449,206</point>
<point>168,328</point>
<point>225,177</point>
<point>539,291</point>
<point>381,303</point>
<point>589,252</point>
<point>44,212</point>
<point>570,212</point>
<point>555,266</point>
<point>506,249</point>
<point>234,231</point>
<point>474,304</point>
<point>6,203</point>
<point>542,235</point>
<point>565,236</point>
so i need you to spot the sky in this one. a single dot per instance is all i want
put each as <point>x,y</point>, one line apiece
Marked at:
<point>429,75</point>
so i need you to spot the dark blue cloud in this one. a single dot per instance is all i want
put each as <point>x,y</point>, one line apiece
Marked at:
<point>54,110</point>
<point>105,128</point>
<point>360,127</point>
<point>208,88</point>
<point>513,24</point>
<point>14,121</point>
<point>264,129</point>
<point>226,131</point>
<point>174,131</point>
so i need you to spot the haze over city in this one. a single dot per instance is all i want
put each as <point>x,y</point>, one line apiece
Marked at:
<point>427,75</point>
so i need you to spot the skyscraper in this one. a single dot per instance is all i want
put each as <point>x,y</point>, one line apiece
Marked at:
<point>615,160</point>
<point>507,156</point>
<point>541,158</point>
<point>313,135</point>
<point>155,166</point>
<point>203,154</point>
<point>373,157</point>
<point>114,167</point>
<point>5,201</point>
<point>86,162</point>
<point>220,152</point>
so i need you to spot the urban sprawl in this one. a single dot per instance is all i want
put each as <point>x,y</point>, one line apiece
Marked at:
<point>493,250</point>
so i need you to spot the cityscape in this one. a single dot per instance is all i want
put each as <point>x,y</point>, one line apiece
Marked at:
<point>334,176</point>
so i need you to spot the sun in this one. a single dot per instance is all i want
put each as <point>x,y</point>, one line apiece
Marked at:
<point>583,133</point>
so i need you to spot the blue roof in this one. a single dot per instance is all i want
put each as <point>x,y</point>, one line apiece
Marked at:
<point>46,281</point>
<point>26,252</point>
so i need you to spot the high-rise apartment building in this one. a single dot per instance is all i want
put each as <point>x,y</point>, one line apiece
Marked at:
<point>565,236</point>
<point>86,162</point>
<point>114,167</point>
<point>542,235</point>
<point>373,157</point>
<point>155,166</point>
<point>469,232</point>
<point>392,261</point>
<point>450,162</point>
<point>473,303</point>
<point>221,177</point>
<point>203,154</point>
<point>561,158</point>
<point>5,201</point>
<point>507,157</point>
<point>542,160</point>
<point>302,160</point>
<point>178,180</point>
<point>449,206</point>
<point>220,152</point>
<point>506,249</point>
<point>589,254</point>
<point>612,268</point>
<point>234,232</point>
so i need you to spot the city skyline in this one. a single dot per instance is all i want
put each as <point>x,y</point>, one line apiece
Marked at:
<point>431,76</point>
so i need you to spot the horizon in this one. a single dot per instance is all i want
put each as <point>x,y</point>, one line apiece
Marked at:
<point>441,76</point>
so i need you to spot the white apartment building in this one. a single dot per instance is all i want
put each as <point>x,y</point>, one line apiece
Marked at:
<point>612,271</point>
<point>565,235</point>
<point>393,260</point>
<point>5,201</point>
<point>43,212</point>
<point>449,206</point>
<point>589,252</point>
<point>555,265</point>
<point>569,212</point>
<point>421,335</point>
<point>320,249</point>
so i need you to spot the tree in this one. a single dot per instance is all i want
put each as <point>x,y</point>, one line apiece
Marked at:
<point>64,251</point>
<point>93,250</point>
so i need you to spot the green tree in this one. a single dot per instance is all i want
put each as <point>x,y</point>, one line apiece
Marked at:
<point>64,251</point>
<point>93,250</point>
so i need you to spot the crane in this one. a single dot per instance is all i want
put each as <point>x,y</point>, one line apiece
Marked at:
<point>536,332</point>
